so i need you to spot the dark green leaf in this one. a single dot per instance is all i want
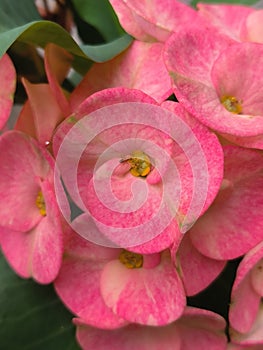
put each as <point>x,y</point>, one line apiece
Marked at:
<point>31,316</point>
<point>101,16</point>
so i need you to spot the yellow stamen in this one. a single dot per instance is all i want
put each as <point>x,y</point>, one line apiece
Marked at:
<point>131,260</point>
<point>232,104</point>
<point>40,203</point>
<point>140,164</point>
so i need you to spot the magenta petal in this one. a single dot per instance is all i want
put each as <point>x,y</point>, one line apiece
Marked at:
<point>232,225</point>
<point>197,270</point>
<point>142,295</point>
<point>8,86</point>
<point>21,166</point>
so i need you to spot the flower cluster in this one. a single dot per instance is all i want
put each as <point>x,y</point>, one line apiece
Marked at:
<point>132,192</point>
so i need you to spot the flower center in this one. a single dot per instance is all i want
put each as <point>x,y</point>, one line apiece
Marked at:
<point>232,104</point>
<point>140,164</point>
<point>40,203</point>
<point>131,260</point>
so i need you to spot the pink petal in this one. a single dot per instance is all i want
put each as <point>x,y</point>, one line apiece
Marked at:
<point>78,282</point>
<point>202,329</point>
<point>25,121</point>
<point>57,64</point>
<point>253,27</point>
<point>140,67</point>
<point>207,45</point>
<point>8,86</point>
<point>46,116</point>
<point>78,287</point>
<point>212,152</point>
<point>98,100</point>
<point>257,277</point>
<point>156,18</point>
<point>48,246</point>
<point>128,338</point>
<point>143,295</point>
<point>197,270</point>
<point>207,327</point>
<point>248,142</point>
<point>170,235</point>
<point>228,18</point>
<point>255,334</point>
<point>232,225</point>
<point>21,166</point>
<point>244,306</point>
<point>128,20</point>
<point>17,248</point>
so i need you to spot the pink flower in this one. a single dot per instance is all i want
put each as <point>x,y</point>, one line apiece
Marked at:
<point>246,311</point>
<point>233,223</point>
<point>109,288</point>
<point>8,85</point>
<point>31,231</point>
<point>213,85</point>
<point>171,165</point>
<point>196,329</point>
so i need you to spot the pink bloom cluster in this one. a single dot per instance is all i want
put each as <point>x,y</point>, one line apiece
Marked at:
<point>167,192</point>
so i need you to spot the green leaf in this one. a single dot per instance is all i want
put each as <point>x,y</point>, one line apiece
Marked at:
<point>31,315</point>
<point>101,16</point>
<point>105,52</point>
<point>16,24</point>
<point>234,2</point>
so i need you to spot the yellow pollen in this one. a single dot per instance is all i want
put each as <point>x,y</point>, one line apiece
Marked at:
<point>40,203</point>
<point>140,164</point>
<point>232,104</point>
<point>131,260</point>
